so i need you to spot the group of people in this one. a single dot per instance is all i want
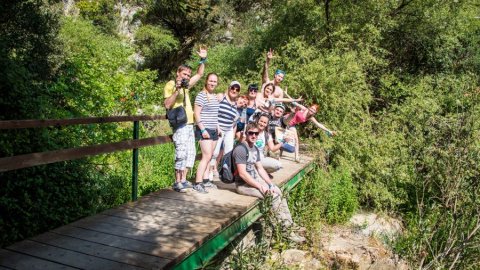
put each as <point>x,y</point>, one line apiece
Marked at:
<point>216,121</point>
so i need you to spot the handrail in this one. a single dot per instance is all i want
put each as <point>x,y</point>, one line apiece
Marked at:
<point>34,159</point>
<point>41,158</point>
<point>35,123</point>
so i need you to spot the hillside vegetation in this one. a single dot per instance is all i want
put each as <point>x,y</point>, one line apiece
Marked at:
<point>399,80</point>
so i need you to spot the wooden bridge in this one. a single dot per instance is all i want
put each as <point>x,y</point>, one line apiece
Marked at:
<point>163,230</point>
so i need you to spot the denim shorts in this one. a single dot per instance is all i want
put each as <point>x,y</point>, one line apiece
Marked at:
<point>212,132</point>
<point>288,148</point>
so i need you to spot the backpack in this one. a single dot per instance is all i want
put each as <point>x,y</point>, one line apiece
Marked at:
<point>228,168</point>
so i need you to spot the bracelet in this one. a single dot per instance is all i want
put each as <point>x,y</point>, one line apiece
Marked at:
<point>202,60</point>
<point>202,131</point>
<point>270,186</point>
<point>294,103</point>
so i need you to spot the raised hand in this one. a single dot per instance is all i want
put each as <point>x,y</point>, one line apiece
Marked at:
<point>202,52</point>
<point>270,54</point>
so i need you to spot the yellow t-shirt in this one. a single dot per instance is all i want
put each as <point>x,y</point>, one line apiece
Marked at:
<point>168,91</point>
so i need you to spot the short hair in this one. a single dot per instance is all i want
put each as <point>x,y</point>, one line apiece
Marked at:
<point>279,71</point>
<point>183,67</point>
<point>251,125</point>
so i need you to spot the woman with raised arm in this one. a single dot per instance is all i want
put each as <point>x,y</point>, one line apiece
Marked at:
<point>206,116</point>
<point>266,101</point>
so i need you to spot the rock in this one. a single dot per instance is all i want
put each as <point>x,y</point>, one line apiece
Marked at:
<point>293,256</point>
<point>313,264</point>
<point>372,224</point>
<point>355,246</point>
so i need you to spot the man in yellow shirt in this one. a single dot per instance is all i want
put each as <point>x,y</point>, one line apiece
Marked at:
<point>176,92</point>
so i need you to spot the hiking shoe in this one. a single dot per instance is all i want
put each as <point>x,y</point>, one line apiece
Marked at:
<point>296,238</point>
<point>185,184</point>
<point>209,184</point>
<point>200,188</point>
<point>178,187</point>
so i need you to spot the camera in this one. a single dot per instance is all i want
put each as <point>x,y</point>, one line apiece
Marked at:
<point>184,83</point>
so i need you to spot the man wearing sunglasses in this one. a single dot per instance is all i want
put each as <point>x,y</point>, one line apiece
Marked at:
<point>277,78</point>
<point>253,180</point>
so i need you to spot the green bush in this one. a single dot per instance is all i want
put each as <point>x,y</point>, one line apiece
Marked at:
<point>324,196</point>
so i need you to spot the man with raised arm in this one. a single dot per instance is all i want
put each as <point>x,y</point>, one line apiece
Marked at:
<point>277,78</point>
<point>253,180</point>
<point>176,93</point>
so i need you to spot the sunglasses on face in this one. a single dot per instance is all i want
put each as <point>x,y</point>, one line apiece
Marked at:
<point>235,89</point>
<point>251,133</point>
<point>253,90</point>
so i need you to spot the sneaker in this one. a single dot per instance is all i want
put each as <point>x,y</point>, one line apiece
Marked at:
<point>186,184</point>
<point>209,184</point>
<point>200,188</point>
<point>178,187</point>
<point>296,238</point>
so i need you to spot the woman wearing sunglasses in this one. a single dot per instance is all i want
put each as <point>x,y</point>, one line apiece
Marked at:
<point>227,120</point>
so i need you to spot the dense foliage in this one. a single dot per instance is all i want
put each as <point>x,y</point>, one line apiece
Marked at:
<point>398,80</point>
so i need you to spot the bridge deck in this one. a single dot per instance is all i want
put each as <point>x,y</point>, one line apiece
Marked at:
<point>162,230</point>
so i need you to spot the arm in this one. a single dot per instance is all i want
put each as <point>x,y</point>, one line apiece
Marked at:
<point>272,146</point>
<point>201,68</point>
<point>287,100</point>
<point>170,99</point>
<point>322,127</point>
<point>265,78</point>
<point>294,103</point>
<point>242,172</point>
<point>261,171</point>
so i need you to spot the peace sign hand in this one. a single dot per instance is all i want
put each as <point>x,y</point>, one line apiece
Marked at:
<point>270,54</point>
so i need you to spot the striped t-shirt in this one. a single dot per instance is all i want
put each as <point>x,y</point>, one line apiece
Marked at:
<point>209,113</point>
<point>227,115</point>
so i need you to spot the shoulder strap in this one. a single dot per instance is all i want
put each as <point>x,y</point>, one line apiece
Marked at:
<point>184,98</point>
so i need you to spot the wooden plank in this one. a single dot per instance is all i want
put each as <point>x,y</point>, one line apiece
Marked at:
<point>159,218</point>
<point>158,204</point>
<point>154,237</point>
<point>140,246</point>
<point>34,123</point>
<point>67,257</point>
<point>168,226</point>
<point>187,234</point>
<point>216,197</point>
<point>102,251</point>
<point>14,260</point>
<point>29,160</point>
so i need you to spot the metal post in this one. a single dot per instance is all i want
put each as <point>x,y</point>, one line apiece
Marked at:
<point>135,162</point>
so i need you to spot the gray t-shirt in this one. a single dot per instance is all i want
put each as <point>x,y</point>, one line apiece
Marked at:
<point>240,157</point>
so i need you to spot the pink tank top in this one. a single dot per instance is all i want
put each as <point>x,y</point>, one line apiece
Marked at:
<point>298,118</point>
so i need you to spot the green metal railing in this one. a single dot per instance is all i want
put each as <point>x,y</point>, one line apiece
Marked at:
<point>41,158</point>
